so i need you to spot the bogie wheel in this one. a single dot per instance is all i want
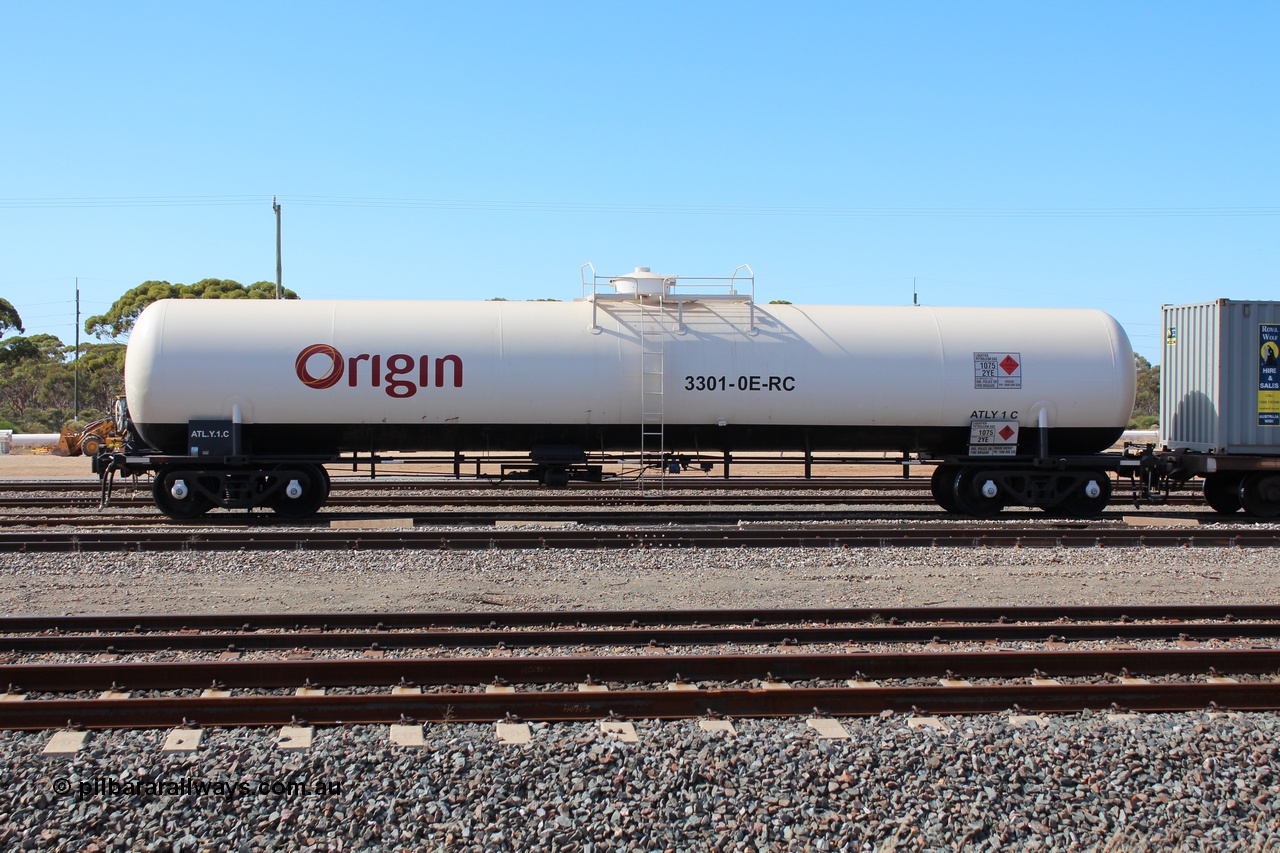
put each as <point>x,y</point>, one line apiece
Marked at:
<point>942,484</point>
<point>192,504</point>
<point>1260,494</point>
<point>555,478</point>
<point>967,493</point>
<point>1222,492</point>
<point>1090,498</point>
<point>315,491</point>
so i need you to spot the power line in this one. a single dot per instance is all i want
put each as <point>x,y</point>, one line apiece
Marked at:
<point>514,206</point>
<point>128,201</point>
<point>755,210</point>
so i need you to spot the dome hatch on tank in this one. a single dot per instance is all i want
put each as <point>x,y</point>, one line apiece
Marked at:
<point>643,282</point>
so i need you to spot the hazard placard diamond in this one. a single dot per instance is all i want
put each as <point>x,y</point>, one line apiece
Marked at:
<point>1009,364</point>
<point>1007,432</point>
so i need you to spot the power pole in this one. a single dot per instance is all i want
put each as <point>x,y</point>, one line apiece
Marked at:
<point>279,280</point>
<point>77,385</point>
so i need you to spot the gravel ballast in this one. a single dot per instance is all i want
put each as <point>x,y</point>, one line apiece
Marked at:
<point>1082,782</point>
<point>659,578</point>
<point>1187,781</point>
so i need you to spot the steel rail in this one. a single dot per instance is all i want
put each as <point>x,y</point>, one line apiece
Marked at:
<point>630,669</point>
<point>936,616</point>
<point>520,499</point>
<point>426,483</point>
<point>655,636</point>
<point>584,512</point>
<point>642,516</point>
<point>633,704</point>
<point>622,518</point>
<point>907,491</point>
<point>814,536</point>
<point>351,484</point>
<point>634,618</point>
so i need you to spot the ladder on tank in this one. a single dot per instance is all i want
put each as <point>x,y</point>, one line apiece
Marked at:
<point>652,414</point>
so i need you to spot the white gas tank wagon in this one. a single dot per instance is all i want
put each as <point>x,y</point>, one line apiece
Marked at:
<point>240,402</point>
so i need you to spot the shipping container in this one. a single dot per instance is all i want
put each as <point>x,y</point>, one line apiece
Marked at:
<point>1219,386</point>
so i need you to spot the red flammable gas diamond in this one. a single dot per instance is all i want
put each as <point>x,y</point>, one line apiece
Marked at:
<point>1007,432</point>
<point>1010,364</point>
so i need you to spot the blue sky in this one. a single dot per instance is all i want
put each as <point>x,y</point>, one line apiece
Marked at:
<point>1117,156</point>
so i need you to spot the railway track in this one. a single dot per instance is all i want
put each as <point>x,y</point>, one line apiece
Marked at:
<point>580,683</point>
<point>541,506</point>
<point>613,519</point>
<point>897,497</point>
<point>505,492</point>
<point>632,513</point>
<point>622,516</point>
<point>830,501</point>
<point>403,499</point>
<point>113,634</point>
<point>340,484</point>
<point>942,534</point>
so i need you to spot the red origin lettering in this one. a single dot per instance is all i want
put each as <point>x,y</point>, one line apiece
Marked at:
<point>401,370</point>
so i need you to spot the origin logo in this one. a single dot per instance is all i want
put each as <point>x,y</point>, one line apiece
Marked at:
<point>322,366</point>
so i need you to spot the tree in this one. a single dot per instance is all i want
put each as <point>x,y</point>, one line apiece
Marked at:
<point>29,370</point>
<point>123,313</point>
<point>38,374</point>
<point>1146,404</point>
<point>38,348</point>
<point>9,318</point>
<point>101,377</point>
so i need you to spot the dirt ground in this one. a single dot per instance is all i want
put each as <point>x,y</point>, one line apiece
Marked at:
<point>43,466</point>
